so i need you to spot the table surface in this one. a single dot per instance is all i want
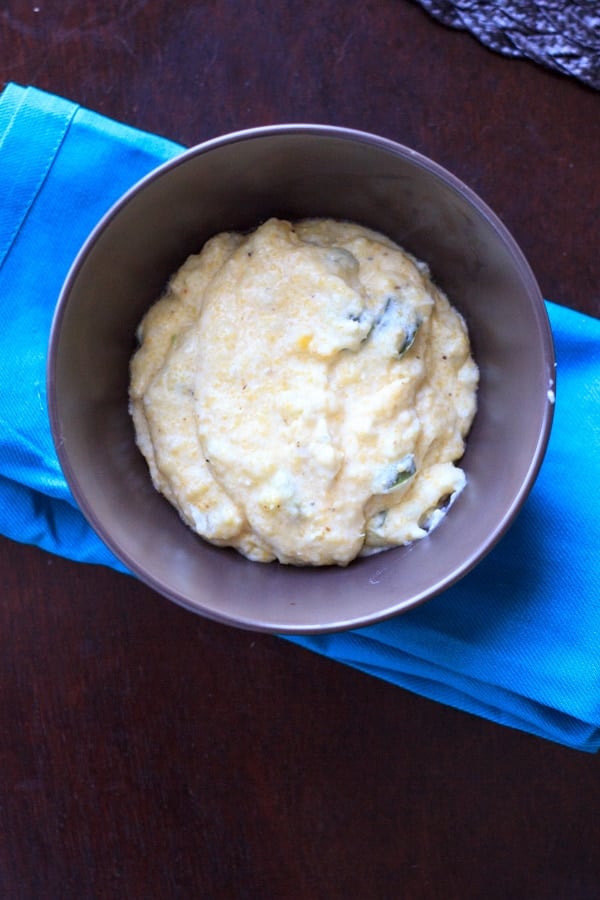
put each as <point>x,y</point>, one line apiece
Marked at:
<point>146,752</point>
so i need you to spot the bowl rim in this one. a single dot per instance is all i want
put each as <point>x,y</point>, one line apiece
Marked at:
<point>537,306</point>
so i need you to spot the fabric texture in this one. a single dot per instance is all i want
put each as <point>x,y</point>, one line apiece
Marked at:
<point>516,641</point>
<point>563,35</point>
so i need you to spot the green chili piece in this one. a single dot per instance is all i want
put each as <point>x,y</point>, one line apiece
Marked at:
<point>403,321</point>
<point>378,520</point>
<point>397,474</point>
<point>410,334</point>
<point>433,516</point>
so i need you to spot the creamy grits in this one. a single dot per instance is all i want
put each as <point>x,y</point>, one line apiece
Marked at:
<point>303,392</point>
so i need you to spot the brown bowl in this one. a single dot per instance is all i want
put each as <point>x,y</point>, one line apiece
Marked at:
<point>235,182</point>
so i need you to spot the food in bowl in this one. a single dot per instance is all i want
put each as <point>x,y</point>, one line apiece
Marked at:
<point>303,392</point>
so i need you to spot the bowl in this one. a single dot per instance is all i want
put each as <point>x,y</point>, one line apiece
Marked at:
<point>235,182</point>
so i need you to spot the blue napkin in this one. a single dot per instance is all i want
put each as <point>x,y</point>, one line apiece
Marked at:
<point>516,641</point>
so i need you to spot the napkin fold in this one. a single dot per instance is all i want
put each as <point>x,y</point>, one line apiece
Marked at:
<point>516,641</point>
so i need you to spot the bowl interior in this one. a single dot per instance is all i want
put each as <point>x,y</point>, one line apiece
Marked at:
<point>235,183</point>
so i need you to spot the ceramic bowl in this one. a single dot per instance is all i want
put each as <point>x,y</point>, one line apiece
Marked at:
<point>235,182</point>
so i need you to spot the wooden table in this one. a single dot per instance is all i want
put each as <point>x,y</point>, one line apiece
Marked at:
<point>147,753</point>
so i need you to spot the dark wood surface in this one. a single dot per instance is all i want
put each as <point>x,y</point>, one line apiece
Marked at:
<point>147,753</point>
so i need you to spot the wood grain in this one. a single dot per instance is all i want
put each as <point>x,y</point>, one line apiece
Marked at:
<point>146,753</point>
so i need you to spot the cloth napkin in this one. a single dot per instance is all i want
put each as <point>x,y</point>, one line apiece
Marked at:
<point>558,34</point>
<point>516,641</point>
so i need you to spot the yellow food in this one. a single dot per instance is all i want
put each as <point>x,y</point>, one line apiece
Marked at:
<point>303,392</point>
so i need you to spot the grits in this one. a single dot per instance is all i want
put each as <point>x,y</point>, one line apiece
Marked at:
<point>302,392</point>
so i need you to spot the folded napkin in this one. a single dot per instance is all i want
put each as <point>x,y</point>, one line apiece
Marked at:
<point>516,641</point>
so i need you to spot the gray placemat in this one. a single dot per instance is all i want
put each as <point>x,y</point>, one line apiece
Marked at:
<point>564,36</point>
